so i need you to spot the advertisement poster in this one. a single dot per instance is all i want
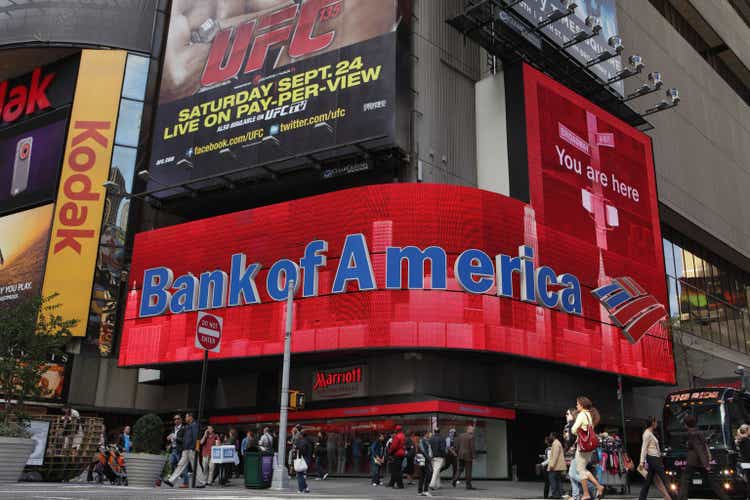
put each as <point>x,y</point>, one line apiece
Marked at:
<point>29,165</point>
<point>23,250</point>
<point>566,29</point>
<point>74,241</point>
<point>243,85</point>
<point>39,431</point>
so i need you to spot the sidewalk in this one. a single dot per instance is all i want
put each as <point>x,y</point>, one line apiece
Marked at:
<point>335,488</point>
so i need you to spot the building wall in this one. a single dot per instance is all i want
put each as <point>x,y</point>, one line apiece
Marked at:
<point>445,68</point>
<point>701,147</point>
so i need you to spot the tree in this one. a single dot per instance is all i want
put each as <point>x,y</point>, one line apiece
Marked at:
<point>148,435</point>
<point>31,332</point>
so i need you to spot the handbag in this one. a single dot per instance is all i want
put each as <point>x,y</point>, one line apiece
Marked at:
<point>587,440</point>
<point>642,470</point>
<point>300,464</point>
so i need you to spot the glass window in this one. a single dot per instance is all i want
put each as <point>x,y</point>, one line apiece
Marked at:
<point>123,166</point>
<point>669,258</point>
<point>136,74</point>
<point>129,123</point>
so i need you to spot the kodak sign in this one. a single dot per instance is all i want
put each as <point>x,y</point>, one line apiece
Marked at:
<point>80,199</point>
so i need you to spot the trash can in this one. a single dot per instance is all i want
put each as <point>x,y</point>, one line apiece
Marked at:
<point>258,469</point>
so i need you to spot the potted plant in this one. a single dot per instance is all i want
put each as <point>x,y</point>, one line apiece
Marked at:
<point>146,462</point>
<point>31,332</point>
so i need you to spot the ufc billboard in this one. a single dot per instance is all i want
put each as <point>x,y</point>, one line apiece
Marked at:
<point>249,82</point>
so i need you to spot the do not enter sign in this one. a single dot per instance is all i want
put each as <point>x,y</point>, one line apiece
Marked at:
<point>208,332</point>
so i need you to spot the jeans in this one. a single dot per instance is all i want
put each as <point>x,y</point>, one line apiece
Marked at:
<point>186,461</point>
<point>174,458</point>
<point>302,481</point>
<point>555,483</point>
<point>575,482</point>
<point>376,473</point>
<point>424,477</point>
<point>437,465</point>
<point>321,464</point>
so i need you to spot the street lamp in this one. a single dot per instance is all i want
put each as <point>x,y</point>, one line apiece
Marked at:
<point>280,479</point>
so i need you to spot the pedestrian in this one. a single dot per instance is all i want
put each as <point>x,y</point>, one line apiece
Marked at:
<point>543,466</point>
<point>412,442</point>
<point>451,454</point>
<point>321,456</point>
<point>303,450</point>
<point>651,458</point>
<point>176,441</point>
<point>397,452</point>
<point>743,447</point>
<point>189,440</point>
<point>437,443</point>
<point>207,442</point>
<point>698,460</point>
<point>555,466</point>
<point>125,441</point>
<point>266,440</point>
<point>377,458</point>
<point>466,454</point>
<point>423,463</point>
<point>248,443</point>
<point>234,440</point>
<point>586,421</point>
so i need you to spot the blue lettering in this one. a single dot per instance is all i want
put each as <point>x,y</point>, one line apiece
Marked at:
<point>242,289</point>
<point>278,278</point>
<point>544,276</point>
<point>473,271</point>
<point>526,253</point>
<point>354,265</point>
<point>310,264</point>
<point>154,296</point>
<point>506,266</point>
<point>415,262</point>
<point>570,297</point>
<point>185,298</point>
<point>213,289</point>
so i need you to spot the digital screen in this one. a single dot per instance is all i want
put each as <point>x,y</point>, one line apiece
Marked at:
<point>452,217</point>
<point>592,187</point>
<point>23,251</point>
<point>29,164</point>
<point>245,83</point>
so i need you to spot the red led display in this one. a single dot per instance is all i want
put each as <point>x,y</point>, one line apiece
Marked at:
<point>455,218</point>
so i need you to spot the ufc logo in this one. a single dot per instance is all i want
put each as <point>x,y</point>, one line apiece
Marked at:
<point>293,24</point>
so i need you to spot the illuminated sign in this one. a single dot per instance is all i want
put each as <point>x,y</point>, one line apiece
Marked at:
<point>80,200</point>
<point>339,383</point>
<point>473,269</point>
<point>693,396</point>
<point>22,99</point>
<point>364,302</point>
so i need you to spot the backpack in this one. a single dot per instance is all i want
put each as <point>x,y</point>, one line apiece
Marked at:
<point>587,440</point>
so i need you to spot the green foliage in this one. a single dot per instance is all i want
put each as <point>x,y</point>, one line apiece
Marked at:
<point>148,435</point>
<point>31,332</point>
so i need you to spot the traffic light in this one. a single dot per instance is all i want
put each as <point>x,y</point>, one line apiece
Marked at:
<point>296,400</point>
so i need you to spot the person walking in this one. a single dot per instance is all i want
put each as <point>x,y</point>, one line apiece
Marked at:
<point>451,454</point>
<point>377,458</point>
<point>423,462</point>
<point>190,438</point>
<point>176,442</point>
<point>321,456</point>
<point>555,466</point>
<point>466,454</point>
<point>437,443</point>
<point>207,442</point>
<point>586,420</point>
<point>651,459</point>
<point>397,452</point>
<point>125,441</point>
<point>302,449</point>
<point>544,464</point>
<point>266,440</point>
<point>698,460</point>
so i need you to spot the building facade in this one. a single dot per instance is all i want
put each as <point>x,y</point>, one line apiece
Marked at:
<point>457,191</point>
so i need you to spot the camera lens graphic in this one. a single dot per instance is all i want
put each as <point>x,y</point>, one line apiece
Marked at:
<point>23,152</point>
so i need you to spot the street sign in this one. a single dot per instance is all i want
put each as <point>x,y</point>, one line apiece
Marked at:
<point>208,332</point>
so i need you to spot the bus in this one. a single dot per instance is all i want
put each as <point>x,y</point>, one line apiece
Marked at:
<point>719,411</point>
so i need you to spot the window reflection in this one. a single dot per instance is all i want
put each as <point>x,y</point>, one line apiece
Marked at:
<point>129,123</point>
<point>136,73</point>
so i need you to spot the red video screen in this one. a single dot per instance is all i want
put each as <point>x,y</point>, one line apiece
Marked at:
<point>453,218</point>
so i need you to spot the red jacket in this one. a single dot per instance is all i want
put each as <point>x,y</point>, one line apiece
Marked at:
<point>398,445</point>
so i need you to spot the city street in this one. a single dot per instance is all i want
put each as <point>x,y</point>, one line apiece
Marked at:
<point>332,488</point>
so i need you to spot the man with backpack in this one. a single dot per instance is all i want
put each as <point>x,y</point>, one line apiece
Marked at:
<point>437,444</point>
<point>397,452</point>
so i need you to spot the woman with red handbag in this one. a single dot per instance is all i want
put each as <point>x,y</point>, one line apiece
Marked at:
<point>588,441</point>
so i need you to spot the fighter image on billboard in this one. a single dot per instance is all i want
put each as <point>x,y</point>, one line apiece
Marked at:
<point>307,73</point>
